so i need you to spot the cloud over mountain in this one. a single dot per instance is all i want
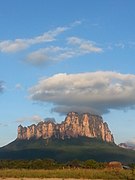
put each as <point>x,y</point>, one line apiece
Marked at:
<point>95,92</point>
<point>32,119</point>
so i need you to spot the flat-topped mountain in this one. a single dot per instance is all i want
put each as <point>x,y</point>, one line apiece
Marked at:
<point>79,136</point>
<point>73,126</point>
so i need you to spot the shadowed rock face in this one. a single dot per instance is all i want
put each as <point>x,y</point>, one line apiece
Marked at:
<point>74,125</point>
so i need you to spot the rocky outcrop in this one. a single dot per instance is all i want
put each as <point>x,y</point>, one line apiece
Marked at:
<point>75,125</point>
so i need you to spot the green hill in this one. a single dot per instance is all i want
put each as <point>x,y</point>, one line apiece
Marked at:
<point>81,148</point>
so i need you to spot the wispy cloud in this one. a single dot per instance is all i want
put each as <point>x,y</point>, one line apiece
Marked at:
<point>31,119</point>
<point>18,86</point>
<point>19,44</point>
<point>3,125</point>
<point>74,47</point>
<point>16,45</point>
<point>131,44</point>
<point>84,46</point>
<point>34,119</point>
<point>48,52</point>
<point>96,92</point>
<point>45,55</point>
<point>2,87</point>
<point>131,142</point>
<point>120,45</point>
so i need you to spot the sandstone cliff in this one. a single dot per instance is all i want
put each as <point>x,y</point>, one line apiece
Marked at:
<point>74,125</point>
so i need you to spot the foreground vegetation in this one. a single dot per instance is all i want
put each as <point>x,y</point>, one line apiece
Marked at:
<point>68,173</point>
<point>49,168</point>
<point>50,164</point>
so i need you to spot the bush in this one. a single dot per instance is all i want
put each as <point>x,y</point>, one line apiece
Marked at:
<point>92,164</point>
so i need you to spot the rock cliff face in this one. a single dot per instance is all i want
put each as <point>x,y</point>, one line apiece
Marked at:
<point>74,125</point>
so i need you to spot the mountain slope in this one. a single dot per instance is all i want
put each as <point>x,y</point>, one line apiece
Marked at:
<point>81,148</point>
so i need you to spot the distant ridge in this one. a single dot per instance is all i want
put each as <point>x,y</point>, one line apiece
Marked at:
<point>127,146</point>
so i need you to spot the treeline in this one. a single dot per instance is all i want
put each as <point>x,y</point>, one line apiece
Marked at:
<point>50,164</point>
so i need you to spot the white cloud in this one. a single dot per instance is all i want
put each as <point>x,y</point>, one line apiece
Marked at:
<point>85,46</point>
<point>9,46</point>
<point>32,119</point>
<point>18,86</point>
<point>13,46</point>
<point>74,47</point>
<point>44,55</point>
<point>120,45</point>
<point>3,125</point>
<point>19,44</point>
<point>75,23</point>
<point>131,142</point>
<point>86,92</point>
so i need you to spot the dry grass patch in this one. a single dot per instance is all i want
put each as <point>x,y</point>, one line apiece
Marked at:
<point>68,173</point>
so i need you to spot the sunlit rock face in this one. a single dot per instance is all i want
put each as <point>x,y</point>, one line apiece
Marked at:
<point>74,125</point>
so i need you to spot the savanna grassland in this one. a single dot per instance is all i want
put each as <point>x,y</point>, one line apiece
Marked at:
<point>68,173</point>
<point>43,169</point>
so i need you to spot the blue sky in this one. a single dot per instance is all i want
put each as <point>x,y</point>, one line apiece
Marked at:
<point>57,56</point>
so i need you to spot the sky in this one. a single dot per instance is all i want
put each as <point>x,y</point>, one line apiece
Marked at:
<point>58,56</point>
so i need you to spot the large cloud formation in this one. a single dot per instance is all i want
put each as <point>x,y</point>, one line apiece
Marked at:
<point>95,92</point>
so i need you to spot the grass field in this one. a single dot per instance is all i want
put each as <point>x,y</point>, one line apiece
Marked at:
<point>68,173</point>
